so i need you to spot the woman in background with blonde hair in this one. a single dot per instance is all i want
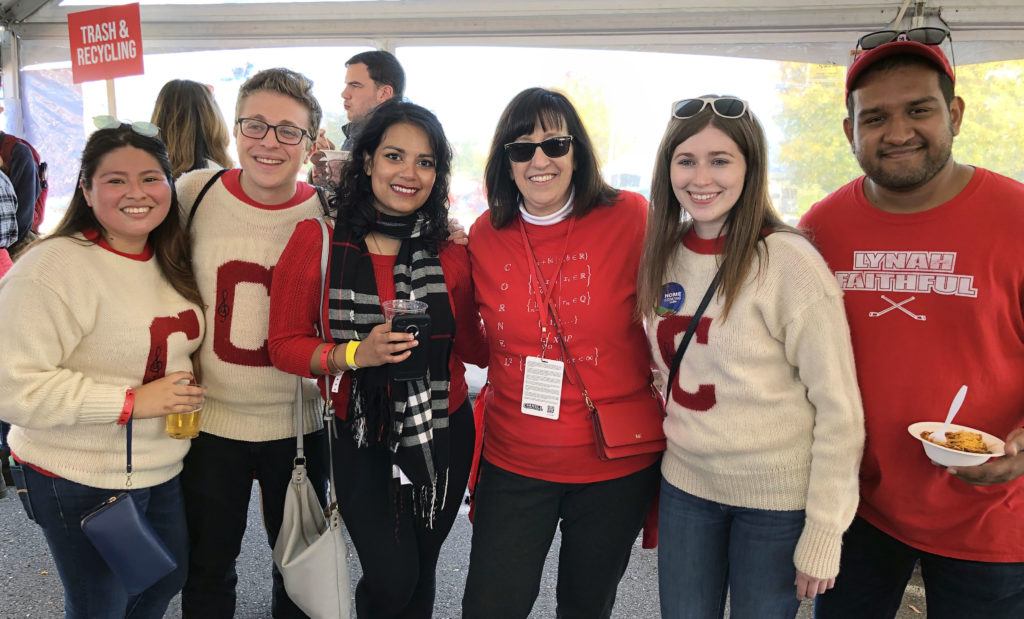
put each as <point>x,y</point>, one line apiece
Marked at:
<point>192,127</point>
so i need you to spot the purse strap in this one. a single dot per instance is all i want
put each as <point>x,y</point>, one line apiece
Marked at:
<point>690,330</point>
<point>128,458</point>
<point>577,378</point>
<point>202,194</point>
<point>329,426</point>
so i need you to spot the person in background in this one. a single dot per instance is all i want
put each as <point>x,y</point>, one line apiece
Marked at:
<point>8,237</point>
<point>28,180</point>
<point>927,251</point>
<point>765,426</point>
<point>8,226</point>
<point>371,78</point>
<point>192,127</point>
<point>248,427</point>
<point>553,219</point>
<point>388,242</point>
<point>100,322</point>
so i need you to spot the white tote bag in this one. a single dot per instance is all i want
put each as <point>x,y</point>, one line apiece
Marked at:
<point>310,550</point>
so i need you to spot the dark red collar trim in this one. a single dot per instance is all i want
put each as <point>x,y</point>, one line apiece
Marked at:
<point>96,237</point>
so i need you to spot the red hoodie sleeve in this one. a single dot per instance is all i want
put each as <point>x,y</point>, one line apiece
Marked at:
<point>470,339</point>
<point>295,301</point>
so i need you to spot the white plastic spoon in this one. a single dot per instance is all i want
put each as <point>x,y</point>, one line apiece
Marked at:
<point>954,407</point>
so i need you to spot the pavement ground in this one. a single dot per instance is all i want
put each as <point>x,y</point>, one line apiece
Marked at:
<point>31,588</point>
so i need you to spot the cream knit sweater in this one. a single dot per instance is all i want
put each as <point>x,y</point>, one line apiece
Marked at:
<point>79,323</point>
<point>778,424</point>
<point>235,247</point>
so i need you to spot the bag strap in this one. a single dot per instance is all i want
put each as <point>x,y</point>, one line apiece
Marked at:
<point>325,247</point>
<point>202,194</point>
<point>570,363</point>
<point>128,459</point>
<point>690,330</point>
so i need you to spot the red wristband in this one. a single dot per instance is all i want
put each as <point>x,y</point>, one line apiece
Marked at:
<point>128,408</point>
<point>325,354</point>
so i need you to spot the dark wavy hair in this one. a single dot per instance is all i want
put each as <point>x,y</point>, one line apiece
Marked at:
<point>355,199</point>
<point>169,240</point>
<point>549,109</point>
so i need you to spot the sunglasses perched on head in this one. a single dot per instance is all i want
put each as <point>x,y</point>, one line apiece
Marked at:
<point>927,35</point>
<point>521,152</point>
<point>140,126</point>
<point>726,107</point>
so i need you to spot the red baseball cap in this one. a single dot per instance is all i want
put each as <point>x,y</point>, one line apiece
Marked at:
<point>931,53</point>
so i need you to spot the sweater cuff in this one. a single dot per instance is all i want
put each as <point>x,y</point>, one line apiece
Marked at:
<point>103,404</point>
<point>817,552</point>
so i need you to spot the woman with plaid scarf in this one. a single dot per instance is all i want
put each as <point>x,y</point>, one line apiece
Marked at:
<point>403,458</point>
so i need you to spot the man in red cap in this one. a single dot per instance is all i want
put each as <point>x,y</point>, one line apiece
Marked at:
<point>929,254</point>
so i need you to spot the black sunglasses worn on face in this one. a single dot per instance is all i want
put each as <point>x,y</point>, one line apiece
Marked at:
<point>521,152</point>
<point>726,107</point>
<point>286,134</point>
<point>927,35</point>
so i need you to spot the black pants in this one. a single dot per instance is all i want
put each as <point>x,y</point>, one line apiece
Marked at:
<point>874,570</point>
<point>398,553</point>
<point>513,528</point>
<point>217,483</point>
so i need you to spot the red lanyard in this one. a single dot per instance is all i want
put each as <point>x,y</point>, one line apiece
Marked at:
<point>542,294</point>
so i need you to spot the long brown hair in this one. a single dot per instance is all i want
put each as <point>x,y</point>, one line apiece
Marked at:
<point>191,125</point>
<point>744,226</point>
<point>548,108</point>
<point>169,240</point>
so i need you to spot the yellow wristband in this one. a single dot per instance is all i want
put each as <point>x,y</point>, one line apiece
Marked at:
<point>350,354</point>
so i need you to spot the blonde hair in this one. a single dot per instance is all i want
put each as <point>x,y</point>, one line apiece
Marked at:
<point>191,125</point>
<point>289,83</point>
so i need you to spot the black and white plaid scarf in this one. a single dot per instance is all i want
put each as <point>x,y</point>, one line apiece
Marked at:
<point>409,417</point>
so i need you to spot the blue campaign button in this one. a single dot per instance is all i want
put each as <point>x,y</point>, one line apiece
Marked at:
<point>672,298</point>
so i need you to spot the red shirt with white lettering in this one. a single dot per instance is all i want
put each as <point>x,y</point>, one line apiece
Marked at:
<point>935,300</point>
<point>596,296</point>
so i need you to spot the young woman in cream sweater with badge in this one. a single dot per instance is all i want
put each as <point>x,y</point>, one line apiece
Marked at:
<point>765,426</point>
<point>99,322</point>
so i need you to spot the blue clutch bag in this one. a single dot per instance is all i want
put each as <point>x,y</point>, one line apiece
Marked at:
<point>125,539</point>
<point>127,542</point>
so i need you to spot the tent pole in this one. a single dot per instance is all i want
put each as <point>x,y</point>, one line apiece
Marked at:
<point>111,99</point>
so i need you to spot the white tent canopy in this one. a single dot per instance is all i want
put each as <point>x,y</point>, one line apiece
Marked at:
<point>801,30</point>
<point>43,106</point>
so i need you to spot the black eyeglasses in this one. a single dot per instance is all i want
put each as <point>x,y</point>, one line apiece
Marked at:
<point>726,107</point>
<point>286,134</point>
<point>521,152</point>
<point>927,35</point>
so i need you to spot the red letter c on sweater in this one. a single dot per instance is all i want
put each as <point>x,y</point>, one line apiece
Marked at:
<point>160,331</point>
<point>668,329</point>
<point>229,276</point>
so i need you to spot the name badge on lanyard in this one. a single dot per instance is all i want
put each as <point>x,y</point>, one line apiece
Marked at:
<point>542,379</point>
<point>542,387</point>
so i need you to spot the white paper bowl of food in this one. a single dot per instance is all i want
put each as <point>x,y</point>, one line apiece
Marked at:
<point>963,438</point>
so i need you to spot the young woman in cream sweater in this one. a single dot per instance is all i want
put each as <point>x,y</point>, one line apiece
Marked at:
<point>764,426</point>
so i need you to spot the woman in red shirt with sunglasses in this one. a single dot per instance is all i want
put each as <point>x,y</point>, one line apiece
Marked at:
<point>554,270</point>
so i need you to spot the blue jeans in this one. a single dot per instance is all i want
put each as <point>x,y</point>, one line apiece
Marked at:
<point>91,591</point>
<point>874,570</point>
<point>706,549</point>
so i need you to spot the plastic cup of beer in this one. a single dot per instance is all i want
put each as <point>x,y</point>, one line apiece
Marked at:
<point>184,425</point>
<point>395,307</point>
